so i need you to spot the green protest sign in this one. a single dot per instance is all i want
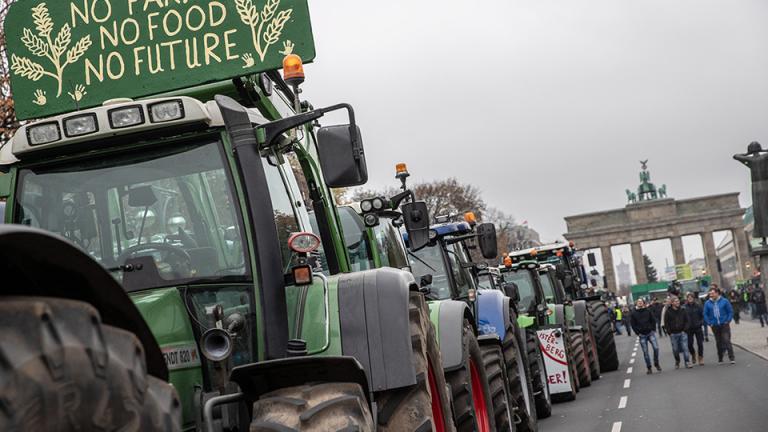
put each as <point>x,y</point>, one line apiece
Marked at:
<point>70,54</point>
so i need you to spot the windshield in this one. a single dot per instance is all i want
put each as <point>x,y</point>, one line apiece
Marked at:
<point>389,241</point>
<point>429,261</point>
<point>525,287</point>
<point>169,212</point>
<point>547,287</point>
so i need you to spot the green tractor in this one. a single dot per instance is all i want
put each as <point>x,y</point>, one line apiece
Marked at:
<point>589,312</point>
<point>547,328</point>
<point>192,200</point>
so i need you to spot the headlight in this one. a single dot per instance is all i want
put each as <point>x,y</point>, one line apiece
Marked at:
<point>366,206</point>
<point>125,117</point>
<point>80,125</point>
<point>43,133</point>
<point>377,203</point>
<point>166,111</point>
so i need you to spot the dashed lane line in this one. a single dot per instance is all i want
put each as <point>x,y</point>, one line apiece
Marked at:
<point>629,370</point>
<point>623,402</point>
<point>634,354</point>
<point>631,361</point>
<point>616,427</point>
<point>627,382</point>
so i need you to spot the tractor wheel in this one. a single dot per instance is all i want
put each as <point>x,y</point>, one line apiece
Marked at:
<point>313,407</point>
<point>601,329</point>
<point>495,369</point>
<point>426,404</point>
<point>542,397</point>
<point>472,403</point>
<point>580,358</point>
<point>591,349</point>
<point>62,369</point>
<point>520,384</point>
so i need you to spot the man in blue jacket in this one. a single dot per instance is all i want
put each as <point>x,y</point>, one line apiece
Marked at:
<point>718,314</point>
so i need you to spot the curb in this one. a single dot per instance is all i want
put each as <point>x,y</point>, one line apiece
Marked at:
<point>750,351</point>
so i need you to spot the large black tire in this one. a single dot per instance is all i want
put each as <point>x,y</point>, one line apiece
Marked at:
<point>522,398</point>
<point>313,407</point>
<point>579,357</point>
<point>62,369</point>
<point>591,349</point>
<point>461,385</point>
<point>411,408</point>
<point>603,333</point>
<point>542,397</point>
<point>495,369</point>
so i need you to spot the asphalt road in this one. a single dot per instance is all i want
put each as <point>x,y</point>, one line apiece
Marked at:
<point>709,398</point>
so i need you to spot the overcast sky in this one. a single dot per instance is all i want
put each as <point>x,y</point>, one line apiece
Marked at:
<point>547,106</point>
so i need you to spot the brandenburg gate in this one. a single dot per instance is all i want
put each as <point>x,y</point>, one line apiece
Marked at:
<point>650,215</point>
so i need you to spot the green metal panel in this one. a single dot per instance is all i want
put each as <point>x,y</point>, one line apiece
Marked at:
<point>67,55</point>
<point>323,336</point>
<point>570,315</point>
<point>525,321</point>
<point>552,318</point>
<point>164,311</point>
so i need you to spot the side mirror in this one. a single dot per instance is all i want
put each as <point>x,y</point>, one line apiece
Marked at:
<point>416,218</point>
<point>141,196</point>
<point>511,291</point>
<point>486,235</point>
<point>426,280</point>
<point>341,155</point>
<point>560,271</point>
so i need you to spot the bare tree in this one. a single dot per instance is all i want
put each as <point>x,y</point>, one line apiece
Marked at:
<point>8,122</point>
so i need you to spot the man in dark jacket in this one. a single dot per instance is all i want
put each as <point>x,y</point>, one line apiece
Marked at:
<point>734,296</point>
<point>695,321</point>
<point>676,323</point>
<point>644,324</point>
<point>758,299</point>
<point>656,307</point>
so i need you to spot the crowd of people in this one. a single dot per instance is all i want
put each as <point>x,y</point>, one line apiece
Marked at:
<point>687,322</point>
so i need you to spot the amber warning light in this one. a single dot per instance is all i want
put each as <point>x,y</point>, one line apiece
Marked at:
<point>293,70</point>
<point>470,218</point>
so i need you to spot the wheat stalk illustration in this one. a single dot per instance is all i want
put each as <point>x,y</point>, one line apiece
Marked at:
<point>42,45</point>
<point>269,16</point>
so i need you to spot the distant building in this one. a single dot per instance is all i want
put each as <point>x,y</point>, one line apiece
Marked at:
<point>727,254</point>
<point>624,276</point>
<point>698,267</point>
<point>523,237</point>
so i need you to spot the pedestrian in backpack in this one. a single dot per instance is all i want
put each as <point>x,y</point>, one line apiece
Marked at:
<point>735,298</point>
<point>656,308</point>
<point>625,317</point>
<point>644,324</point>
<point>694,331</point>
<point>718,313</point>
<point>676,323</point>
<point>761,310</point>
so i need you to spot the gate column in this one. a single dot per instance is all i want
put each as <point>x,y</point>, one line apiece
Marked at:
<point>710,255</point>
<point>610,276</point>
<point>741,245</point>
<point>677,250</point>
<point>637,260</point>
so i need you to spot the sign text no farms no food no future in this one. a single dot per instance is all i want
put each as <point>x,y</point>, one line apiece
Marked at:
<point>66,55</point>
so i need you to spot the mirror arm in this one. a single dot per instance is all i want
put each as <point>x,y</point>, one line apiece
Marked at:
<point>267,133</point>
<point>458,239</point>
<point>399,198</point>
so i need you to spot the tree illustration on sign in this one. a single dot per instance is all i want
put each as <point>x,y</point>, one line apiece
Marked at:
<point>42,45</point>
<point>269,16</point>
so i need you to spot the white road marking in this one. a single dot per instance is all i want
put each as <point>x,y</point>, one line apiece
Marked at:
<point>623,402</point>
<point>629,370</point>
<point>631,361</point>
<point>634,354</point>
<point>626,382</point>
<point>616,427</point>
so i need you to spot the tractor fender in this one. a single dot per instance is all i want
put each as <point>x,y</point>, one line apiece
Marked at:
<point>256,379</point>
<point>42,264</point>
<point>580,312</point>
<point>492,313</point>
<point>451,318</point>
<point>375,326</point>
<point>558,315</point>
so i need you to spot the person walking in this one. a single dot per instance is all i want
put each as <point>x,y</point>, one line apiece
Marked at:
<point>694,331</point>
<point>718,314</point>
<point>735,298</point>
<point>617,319</point>
<point>644,324</point>
<point>676,323</point>
<point>656,309</point>
<point>761,310</point>
<point>626,314</point>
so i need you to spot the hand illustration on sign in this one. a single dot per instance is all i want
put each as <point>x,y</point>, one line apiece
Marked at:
<point>274,20</point>
<point>248,60</point>
<point>79,93</point>
<point>41,45</point>
<point>40,98</point>
<point>287,48</point>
